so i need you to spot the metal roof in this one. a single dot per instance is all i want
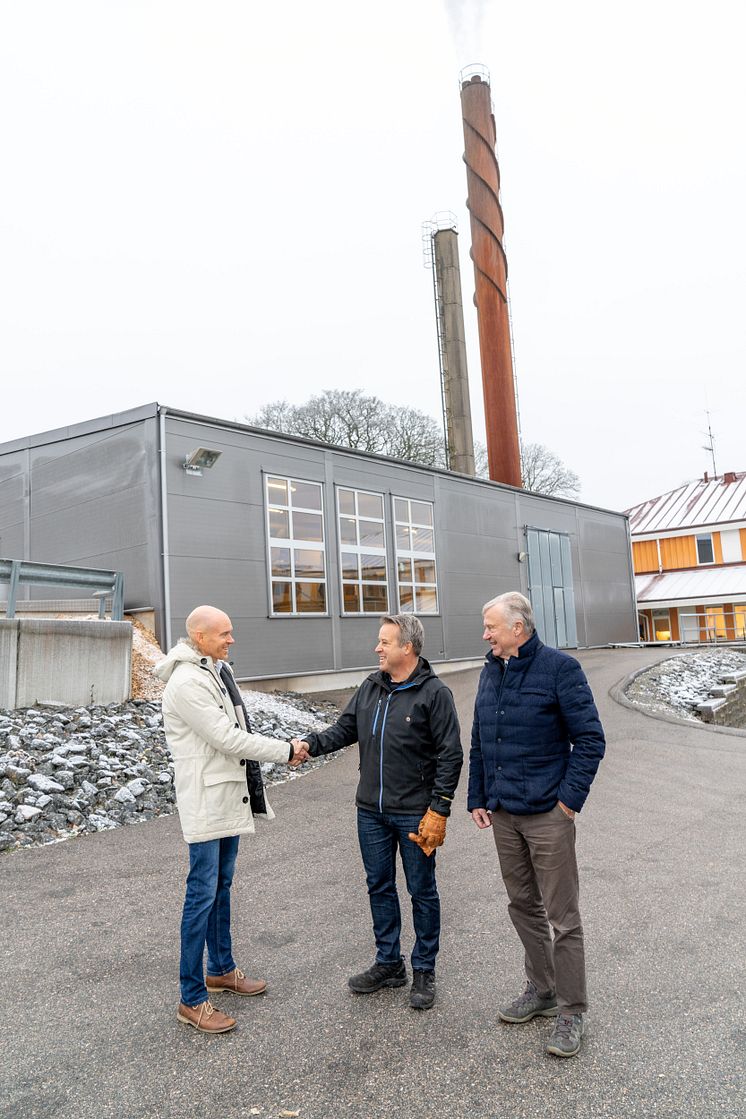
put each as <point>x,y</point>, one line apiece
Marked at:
<point>721,583</point>
<point>711,502</point>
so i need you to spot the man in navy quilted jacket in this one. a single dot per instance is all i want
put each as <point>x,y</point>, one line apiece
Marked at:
<point>536,744</point>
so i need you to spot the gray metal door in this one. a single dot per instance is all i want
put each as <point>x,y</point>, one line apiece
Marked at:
<point>550,587</point>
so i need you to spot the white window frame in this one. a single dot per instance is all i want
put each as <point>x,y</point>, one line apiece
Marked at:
<point>294,544</point>
<point>413,556</point>
<point>360,550</point>
<point>702,536</point>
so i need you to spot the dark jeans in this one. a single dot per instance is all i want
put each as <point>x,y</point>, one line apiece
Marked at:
<point>380,835</point>
<point>540,872</point>
<point>207,916</point>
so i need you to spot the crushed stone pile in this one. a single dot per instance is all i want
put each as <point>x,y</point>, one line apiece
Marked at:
<point>677,685</point>
<point>66,771</point>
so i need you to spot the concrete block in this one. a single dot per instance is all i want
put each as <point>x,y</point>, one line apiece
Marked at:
<point>73,661</point>
<point>709,708</point>
<point>8,661</point>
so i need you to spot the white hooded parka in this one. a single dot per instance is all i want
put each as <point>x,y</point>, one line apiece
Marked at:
<point>209,743</point>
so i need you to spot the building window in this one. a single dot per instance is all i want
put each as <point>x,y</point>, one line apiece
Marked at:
<point>661,625</point>
<point>362,552</point>
<point>705,553</point>
<point>416,578</point>
<point>739,623</point>
<point>297,561</point>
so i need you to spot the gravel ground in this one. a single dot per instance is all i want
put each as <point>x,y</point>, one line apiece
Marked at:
<point>68,771</point>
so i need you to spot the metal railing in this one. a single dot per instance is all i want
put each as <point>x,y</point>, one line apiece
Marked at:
<point>101,584</point>
<point>716,626</point>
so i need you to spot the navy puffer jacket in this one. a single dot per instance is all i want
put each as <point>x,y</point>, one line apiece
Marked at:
<point>536,738</point>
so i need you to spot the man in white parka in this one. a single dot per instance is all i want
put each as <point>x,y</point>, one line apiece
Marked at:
<point>218,782</point>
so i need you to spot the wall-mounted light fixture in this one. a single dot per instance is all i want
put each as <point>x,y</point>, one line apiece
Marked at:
<point>202,458</point>
<point>522,557</point>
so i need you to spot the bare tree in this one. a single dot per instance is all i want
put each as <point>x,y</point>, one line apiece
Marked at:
<point>415,436</point>
<point>349,418</point>
<point>481,463</point>
<point>544,472</point>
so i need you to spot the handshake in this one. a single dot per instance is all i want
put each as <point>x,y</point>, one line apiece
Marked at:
<point>300,752</point>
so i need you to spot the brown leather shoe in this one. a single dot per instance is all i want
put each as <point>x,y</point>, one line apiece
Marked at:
<point>235,982</point>
<point>205,1017</point>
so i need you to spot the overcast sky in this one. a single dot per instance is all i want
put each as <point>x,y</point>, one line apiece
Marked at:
<point>214,205</point>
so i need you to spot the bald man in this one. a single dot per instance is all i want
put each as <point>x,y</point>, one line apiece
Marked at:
<point>219,790</point>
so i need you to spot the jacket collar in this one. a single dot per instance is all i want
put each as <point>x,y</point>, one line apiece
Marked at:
<point>526,653</point>
<point>422,672</point>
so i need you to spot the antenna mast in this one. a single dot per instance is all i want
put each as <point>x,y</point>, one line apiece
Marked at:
<point>710,446</point>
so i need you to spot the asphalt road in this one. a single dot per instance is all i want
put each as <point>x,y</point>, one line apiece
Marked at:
<point>88,987</point>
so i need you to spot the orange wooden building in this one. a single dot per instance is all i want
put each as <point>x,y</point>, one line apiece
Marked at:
<point>689,558</point>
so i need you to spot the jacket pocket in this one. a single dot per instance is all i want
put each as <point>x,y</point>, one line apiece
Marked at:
<point>223,799</point>
<point>218,778</point>
<point>542,776</point>
<point>537,695</point>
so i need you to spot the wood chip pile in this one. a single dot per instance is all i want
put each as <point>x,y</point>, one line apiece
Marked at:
<point>146,652</point>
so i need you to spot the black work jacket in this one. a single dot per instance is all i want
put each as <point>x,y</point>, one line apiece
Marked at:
<point>410,742</point>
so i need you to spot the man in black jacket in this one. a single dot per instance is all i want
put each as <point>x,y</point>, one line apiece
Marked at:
<point>405,720</point>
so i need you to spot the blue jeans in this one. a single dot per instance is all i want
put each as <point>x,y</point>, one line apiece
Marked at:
<point>380,835</point>
<point>207,916</point>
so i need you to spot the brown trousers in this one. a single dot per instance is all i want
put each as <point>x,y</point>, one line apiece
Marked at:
<point>540,872</point>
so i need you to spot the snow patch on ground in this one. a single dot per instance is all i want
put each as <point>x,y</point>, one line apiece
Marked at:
<point>676,686</point>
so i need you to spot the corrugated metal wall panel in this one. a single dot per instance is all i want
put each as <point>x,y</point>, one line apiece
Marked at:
<point>549,515</point>
<point>93,502</point>
<point>64,477</point>
<point>73,533</point>
<point>606,624</point>
<point>235,585</point>
<point>381,476</point>
<point>271,647</point>
<point>201,527</point>
<point>13,505</point>
<point>472,554</point>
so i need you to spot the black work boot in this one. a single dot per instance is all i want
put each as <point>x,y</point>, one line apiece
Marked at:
<point>422,995</point>
<point>377,976</point>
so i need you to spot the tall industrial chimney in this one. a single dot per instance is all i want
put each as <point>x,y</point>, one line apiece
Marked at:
<point>491,278</point>
<point>441,254</point>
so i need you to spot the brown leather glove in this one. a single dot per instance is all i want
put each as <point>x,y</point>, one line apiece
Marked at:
<point>431,832</point>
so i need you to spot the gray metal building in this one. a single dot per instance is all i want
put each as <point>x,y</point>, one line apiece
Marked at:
<point>305,545</point>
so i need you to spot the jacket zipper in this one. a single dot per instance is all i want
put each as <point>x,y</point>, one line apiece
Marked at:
<point>383,729</point>
<point>375,721</point>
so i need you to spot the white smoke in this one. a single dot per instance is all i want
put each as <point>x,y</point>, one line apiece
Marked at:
<point>466,18</point>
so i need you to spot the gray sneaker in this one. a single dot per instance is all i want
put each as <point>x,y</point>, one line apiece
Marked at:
<point>566,1035</point>
<point>528,1005</point>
